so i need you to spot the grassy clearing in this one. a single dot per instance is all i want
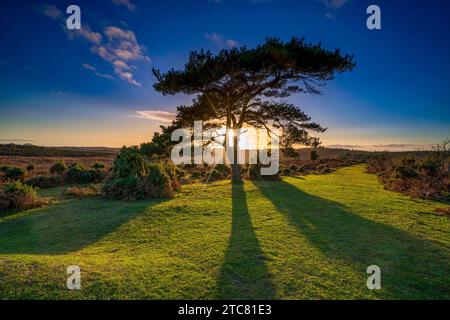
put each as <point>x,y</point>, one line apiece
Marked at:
<point>301,238</point>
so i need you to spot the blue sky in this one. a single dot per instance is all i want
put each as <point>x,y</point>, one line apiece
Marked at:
<point>86,88</point>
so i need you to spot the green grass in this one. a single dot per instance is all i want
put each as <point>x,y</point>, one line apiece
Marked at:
<point>301,238</point>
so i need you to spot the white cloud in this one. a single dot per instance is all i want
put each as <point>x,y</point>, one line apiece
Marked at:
<point>157,115</point>
<point>220,41</point>
<point>85,33</point>
<point>88,67</point>
<point>121,47</point>
<point>98,74</point>
<point>126,3</point>
<point>117,46</point>
<point>51,11</point>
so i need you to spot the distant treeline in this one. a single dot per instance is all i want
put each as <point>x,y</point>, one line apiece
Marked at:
<point>29,150</point>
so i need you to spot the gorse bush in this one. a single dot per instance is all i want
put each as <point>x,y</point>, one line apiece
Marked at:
<point>130,162</point>
<point>98,166</point>
<point>18,196</point>
<point>14,174</point>
<point>136,177</point>
<point>3,169</point>
<point>77,173</point>
<point>58,168</point>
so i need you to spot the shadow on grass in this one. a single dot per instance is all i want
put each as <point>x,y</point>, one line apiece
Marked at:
<point>244,274</point>
<point>67,226</point>
<point>411,267</point>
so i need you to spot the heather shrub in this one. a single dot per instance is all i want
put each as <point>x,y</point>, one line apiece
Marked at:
<point>83,192</point>
<point>18,196</point>
<point>421,176</point>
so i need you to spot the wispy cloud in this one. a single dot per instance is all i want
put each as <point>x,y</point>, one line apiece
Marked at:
<point>120,48</point>
<point>220,41</point>
<point>115,45</point>
<point>157,115</point>
<point>51,11</point>
<point>333,3</point>
<point>383,147</point>
<point>15,140</point>
<point>98,74</point>
<point>86,33</point>
<point>126,3</point>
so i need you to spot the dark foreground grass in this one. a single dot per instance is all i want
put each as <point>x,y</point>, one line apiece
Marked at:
<point>301,238</point>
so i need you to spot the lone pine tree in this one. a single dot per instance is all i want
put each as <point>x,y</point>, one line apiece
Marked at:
<point>242,86</point>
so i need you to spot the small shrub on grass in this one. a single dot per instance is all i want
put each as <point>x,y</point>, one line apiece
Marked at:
<point>196,174</point>
<point>326,170</point>
<point>3,169</point>
<point>223,169</point>
<point>58,168</point>
<point>18,196</point>
<point>15,174</point>
<point>135,177</point>
<point>83,192</point>
<point>215,175</point>
<point>431,166</point>
<point>98,166</point>
<point>293,168</point>
<point>31,167</point>
<point>45,182</point>
<point>287,172</point>
<point>180,172</point>
<point>78,174</point>
<point>254,173</point>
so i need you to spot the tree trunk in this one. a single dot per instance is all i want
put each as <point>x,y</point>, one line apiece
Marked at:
<point>235,167</point>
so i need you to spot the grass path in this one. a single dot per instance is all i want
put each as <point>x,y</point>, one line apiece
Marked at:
<point>301,238</point>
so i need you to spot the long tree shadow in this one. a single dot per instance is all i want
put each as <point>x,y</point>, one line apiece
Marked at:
<point>244,274</point>
<point>67,226</point>
<point>411,267</point>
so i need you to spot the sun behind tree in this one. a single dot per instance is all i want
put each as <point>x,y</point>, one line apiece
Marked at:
<point>242,86</point>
